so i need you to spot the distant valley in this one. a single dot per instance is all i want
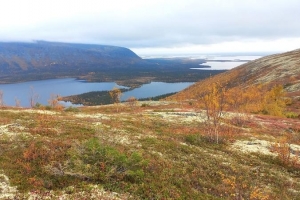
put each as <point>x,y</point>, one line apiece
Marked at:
<point>42,60</point>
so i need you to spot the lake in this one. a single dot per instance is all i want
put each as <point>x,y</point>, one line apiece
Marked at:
<point>225,62</point>
<point>220,65</point>
<point>155,89</point>
<point>69,86</point>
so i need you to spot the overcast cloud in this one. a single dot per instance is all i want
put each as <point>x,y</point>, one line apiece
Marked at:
<point>157,26</point>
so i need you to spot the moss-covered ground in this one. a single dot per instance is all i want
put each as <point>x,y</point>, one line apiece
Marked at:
<point>157,150</point>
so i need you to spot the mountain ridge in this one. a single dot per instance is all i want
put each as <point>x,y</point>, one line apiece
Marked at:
<point>18,56</point>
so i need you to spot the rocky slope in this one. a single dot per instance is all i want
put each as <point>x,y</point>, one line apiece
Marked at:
<point>279,69</point>
<point>283,69</point>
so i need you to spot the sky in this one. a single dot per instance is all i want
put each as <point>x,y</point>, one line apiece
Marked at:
<point>157,27</point>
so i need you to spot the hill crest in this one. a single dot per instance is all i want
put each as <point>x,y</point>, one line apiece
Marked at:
<point>278,69</point>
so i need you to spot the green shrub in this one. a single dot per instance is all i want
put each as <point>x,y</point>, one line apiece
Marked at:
<point>291,115</point>
<point>103,164</point>
<point>194,139</point>
<point>38,105</point>
<point>72,109</point>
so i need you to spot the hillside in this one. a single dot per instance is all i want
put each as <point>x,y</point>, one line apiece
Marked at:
<point>283,69</point>
<point>148,150</point>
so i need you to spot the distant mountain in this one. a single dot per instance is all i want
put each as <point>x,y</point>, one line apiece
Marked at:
<point>283,69</point>
<point>16,57</point>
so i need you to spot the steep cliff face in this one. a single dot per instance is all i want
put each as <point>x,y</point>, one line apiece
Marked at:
<point>15,57</point>
<point>283,69</point>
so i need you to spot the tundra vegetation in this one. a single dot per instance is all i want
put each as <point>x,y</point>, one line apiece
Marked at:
<point>228,143</point>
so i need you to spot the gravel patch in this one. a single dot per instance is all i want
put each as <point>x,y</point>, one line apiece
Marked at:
<point>6,191</point>
<point>12,130</point>
<point>47,112</point>
<point>262,146</point>
<point>254,146</point>
<point>181,116</point>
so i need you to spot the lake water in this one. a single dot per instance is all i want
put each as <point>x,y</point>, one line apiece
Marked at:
<point>220,65</point>
<point>225,62</point>
<point>154,89</point>
<point>230,58</point>
<point>70,86</point>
